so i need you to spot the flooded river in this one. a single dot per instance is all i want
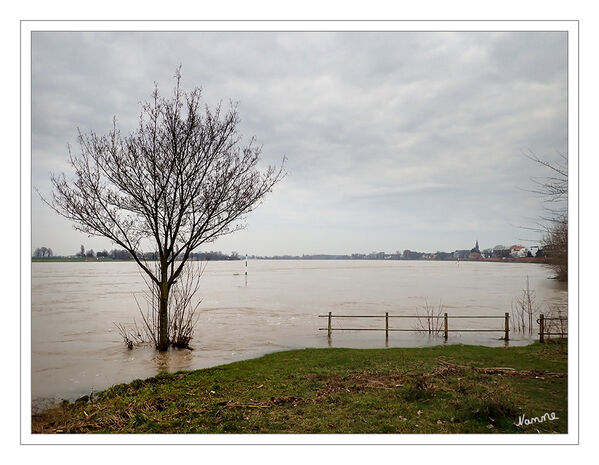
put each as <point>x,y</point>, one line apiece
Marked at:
<point>76,347</point>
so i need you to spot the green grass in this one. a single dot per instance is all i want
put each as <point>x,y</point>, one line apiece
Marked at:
<point>396,390</point>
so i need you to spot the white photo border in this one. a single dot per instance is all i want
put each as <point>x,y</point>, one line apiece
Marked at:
<point>569,26</point>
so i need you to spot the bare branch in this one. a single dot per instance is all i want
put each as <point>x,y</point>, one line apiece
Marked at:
<point>553,189</point>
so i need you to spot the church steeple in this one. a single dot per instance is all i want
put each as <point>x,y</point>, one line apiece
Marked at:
<point>476,246</point>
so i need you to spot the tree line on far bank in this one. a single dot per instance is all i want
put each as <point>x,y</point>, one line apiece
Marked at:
<point>43,252</point>
<point>122,254</point>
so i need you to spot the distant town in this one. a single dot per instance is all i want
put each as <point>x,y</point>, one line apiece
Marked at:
<point>497,253</point>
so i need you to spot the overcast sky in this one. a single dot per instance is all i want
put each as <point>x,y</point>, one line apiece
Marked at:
<point>394,140</point>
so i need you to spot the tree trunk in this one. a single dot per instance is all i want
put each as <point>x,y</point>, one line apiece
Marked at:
<point>163,341</point>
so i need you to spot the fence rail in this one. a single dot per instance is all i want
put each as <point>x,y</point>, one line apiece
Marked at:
<point>445,330</point>
<point>542,321</point>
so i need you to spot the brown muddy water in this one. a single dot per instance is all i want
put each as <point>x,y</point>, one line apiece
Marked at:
<point>77,349</point>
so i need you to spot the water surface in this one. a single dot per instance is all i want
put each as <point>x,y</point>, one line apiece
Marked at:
<point>76,347</point>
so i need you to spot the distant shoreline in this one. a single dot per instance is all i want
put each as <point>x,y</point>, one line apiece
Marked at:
<point>540,260</point>
<point>68,260</point>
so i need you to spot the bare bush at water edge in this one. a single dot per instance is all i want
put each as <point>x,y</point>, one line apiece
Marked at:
<point>182,317</point>
<point>556,321</point>
<point>432,320</point>
<point>524,311</point>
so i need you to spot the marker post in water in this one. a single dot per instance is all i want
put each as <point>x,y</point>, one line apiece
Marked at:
<point>246,269</point>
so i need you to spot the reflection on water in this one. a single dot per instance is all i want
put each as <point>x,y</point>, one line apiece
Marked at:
<point>172,360</point>
<point>76,347</point>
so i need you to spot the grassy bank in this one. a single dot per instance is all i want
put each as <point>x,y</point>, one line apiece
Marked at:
<point>443,389</point>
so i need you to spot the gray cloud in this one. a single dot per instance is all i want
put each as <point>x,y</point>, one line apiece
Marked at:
<point>394,140</point>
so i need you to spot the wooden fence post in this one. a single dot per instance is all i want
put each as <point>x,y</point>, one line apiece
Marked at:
<point>446,324</point>
<point>541,328</point>
<point>330,330</point>
<point>386,325</point>
<point>507,326</point>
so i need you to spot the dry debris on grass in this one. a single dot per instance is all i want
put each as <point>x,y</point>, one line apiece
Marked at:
<point>453,368</point>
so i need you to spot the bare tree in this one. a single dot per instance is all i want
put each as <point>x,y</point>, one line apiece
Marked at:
<point>43,252</point>
<point>555,242</point>
<point>181,179</point>
<point>553,190</point>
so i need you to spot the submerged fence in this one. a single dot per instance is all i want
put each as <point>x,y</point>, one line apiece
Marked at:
<point>445,329</point>
<point>547,327</point>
